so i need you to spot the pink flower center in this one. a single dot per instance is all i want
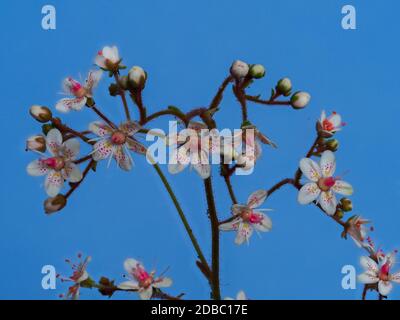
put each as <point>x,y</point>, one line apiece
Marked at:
<point>144,279</point>
<point>118,137</point>
<point>77,89</point>
<point>56,163</point>
<point>249,216</point>
<point>326,183</point>
<point>328,125</point>
<point>384,272</point>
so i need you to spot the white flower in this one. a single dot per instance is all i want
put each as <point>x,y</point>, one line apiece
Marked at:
<point>108,58</point>
<point>194,146</point>
<point>323,184</point>
<point>330,125</point>
<point>79,275</point>
<point>239,69</point>
<point>116,143</point>
<point>137,77</point>
<point>245,218</point>
<point>240,296</point>
<point>79,92</point>
<point>379,273</point>
<point>357,230</point>
<point>142,281</point>
<point>60,166</point>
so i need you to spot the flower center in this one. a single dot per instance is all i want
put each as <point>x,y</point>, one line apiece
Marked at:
<point>118,137</point>
<point>384,272</point>
<point>56,163</point>
<point>328,125</point>
<point>249,216</point>
<point>326,183</point>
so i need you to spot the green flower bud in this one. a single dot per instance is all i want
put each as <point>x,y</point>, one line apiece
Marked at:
<point>36,143</point>
<point>55,204</point>
<point>300,99</point>
<point>41,113</point>
<point>346,204</point>
<point>257,71</point>
<point>239,69</point>
<point>332,145</point>
<point>284,86</point>
<point>339,214</point>
<point>137,78</point>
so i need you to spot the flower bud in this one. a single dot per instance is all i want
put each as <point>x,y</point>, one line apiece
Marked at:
<point>284,86</point>
<point>346,204</point>
<point>41,113</point>
<point>113,89</point>
<point>123,82</point>
<point>339,214</point>
<point>332,145</point>
<point>55,204</point>
<point>137,77</point>
<point>36,143</point>
<point>300,99</point>
<point>239,69</point>
<point>257,71</point>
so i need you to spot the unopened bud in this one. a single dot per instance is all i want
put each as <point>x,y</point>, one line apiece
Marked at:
<point>41,113</point>
<point>239,69</point>
<point>36,143</point>
<point>113,89</point>
<point>257,71</point>
<point>55,204</point>
<point>332,145</point>
<point>123,82</point>
<point>284,86</point>
<point>137,77</point>
<point>346,204</point>
<point>339,214</point>
<point>300,99</point>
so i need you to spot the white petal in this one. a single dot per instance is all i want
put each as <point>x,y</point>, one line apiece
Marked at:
<point>241,295</point>
<point>146,293</point>
<point>54,141</point>
<point>130,127</point>
<point>72,173</point>
<point>342,187</point>
<point>369,265</point>
<point>130,265</point>
<point>53,183</point>
<point>328,202</point>
<point>384,287</point>
<point>310,169</point>
<point>129,285</point>
<point>102,149</point>
<point>122,158</point>
<point>265,225</point>
<point>308,193</point>
<point>395,277</point>
<point>135,146</point>
<point>367,278</point>
<point>244,233</point>
<point>100,61</point>
<point>323,116</point>
<point>163,282</point>
<point>257,198</point>
<point>230,226</point>
<point>100,128</point>
<point>70,149</point>
<point>328,163</point>
<point>37,168</point>
<point>93,80</point>
<point>67,104</point>
<point>335,119</point>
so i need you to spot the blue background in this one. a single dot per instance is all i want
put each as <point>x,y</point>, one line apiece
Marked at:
<point>187,48</point>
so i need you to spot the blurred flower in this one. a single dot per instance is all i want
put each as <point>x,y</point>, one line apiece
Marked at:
<point>137,77</point>
<point>60,166</point>
<point>79,275</point>
<point>240,296</point>
<point>239,69</point>
<point>356,228</point>
<point>40,113</point>
<point>300,100</point>
<point>379,273</point>
<point>36,143</point>
<point>108,59</point>
<point>328,126</point>
<point>246,218</point>
<point>322,184</point>
<point>142,281</point>
<point>116,143</point>
<point>79,92</point>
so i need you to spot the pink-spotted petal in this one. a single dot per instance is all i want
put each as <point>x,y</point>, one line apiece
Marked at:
<point>123,159</point>
<point>244,233</point>
<point>231,225</point>
<point>368,278</point>
<point>201,164</point>
<point>67,104</point>
<point>135,146</point>
<point>53,183</point>
<point>264,225</point>
<point>102,149</point>
<point>54,141</point>
<point>342,187</point>
<point>179,160</point>
<point>100,128</point>
<point>146,294</point>
<point>70,149</point>
<point>308,193</point>
<point>369,265</point>
<point>130,127</point>
<point>92,81</point>
<point>257,198</point>
<point>328,202</point>
<point>71,172</point>
<point>395,277</point>
<point>130,265</point>
<point>37,168</point>
<point>328,163</point>
<point>310,169</point>
<point>384,287</point>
